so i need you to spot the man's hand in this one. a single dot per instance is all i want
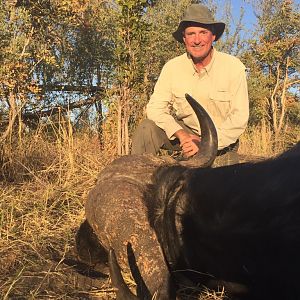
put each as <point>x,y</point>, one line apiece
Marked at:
<point>189,143</point>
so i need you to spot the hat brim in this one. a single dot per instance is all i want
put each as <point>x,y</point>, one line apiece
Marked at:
<point>178,34</point>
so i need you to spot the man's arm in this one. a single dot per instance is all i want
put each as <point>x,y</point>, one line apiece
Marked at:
<point>158,106</point>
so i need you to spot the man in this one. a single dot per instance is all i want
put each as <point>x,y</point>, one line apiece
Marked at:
<point>215,79</point>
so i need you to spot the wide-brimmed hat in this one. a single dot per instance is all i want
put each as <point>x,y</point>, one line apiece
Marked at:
<point>198,13</point>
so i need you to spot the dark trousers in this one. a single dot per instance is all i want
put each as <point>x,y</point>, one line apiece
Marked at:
<point>149,138</point>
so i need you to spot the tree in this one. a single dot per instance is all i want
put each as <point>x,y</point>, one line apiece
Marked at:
<point>53,56</point>
<point>16,37</point>
<point>131,33</point>
<point>273,58</point>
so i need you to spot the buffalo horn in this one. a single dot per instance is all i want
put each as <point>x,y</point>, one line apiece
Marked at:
<point>209,138</point>
<point>123,292</point>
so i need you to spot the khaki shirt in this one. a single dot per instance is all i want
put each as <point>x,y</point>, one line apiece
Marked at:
<point>220,87</point>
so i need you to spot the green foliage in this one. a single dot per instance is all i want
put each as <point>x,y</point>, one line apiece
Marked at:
<point>272,59</point>
<point>15,36</point>
<point>280,36</point>
<point>89,48</point>
<point>130,38</point>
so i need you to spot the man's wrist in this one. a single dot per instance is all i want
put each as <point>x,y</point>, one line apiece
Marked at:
<point>181,134</point>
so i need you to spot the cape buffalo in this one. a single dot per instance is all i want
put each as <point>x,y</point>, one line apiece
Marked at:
<point>236,226</point>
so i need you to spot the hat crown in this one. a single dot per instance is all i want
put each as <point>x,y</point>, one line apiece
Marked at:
<point>198,13</point>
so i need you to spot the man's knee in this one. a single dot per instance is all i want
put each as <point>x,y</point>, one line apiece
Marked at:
<point>145,126</point>
<point>147,138</point>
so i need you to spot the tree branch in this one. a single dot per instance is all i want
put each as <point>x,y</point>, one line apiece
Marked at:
<point>56,109</point>
<point>70,88</point>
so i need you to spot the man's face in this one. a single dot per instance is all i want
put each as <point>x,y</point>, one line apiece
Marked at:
<point>198,42</point>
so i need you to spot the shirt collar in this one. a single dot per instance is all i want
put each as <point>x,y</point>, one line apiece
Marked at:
<point>207,68</point>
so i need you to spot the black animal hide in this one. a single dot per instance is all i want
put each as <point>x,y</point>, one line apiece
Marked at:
<point>237,226</point>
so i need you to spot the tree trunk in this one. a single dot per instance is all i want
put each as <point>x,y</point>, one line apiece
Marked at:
<point>13,113</point>
<point>119,127</point>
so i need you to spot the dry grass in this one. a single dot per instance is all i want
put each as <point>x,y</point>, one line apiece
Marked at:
<point>45,180</point>
<point>259,141</point>
<point>42,196</point>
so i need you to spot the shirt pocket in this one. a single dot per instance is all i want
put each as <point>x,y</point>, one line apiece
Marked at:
<point>220,103</point>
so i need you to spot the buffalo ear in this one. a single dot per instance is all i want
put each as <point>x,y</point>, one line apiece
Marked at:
<point>122,290</point>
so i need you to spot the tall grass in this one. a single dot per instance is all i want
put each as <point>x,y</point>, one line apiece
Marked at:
<point>46,176</point>
<point>259,141</point>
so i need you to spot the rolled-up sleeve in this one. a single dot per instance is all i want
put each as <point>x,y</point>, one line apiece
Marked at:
<point>237,119</point>
<point>158,109</point>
